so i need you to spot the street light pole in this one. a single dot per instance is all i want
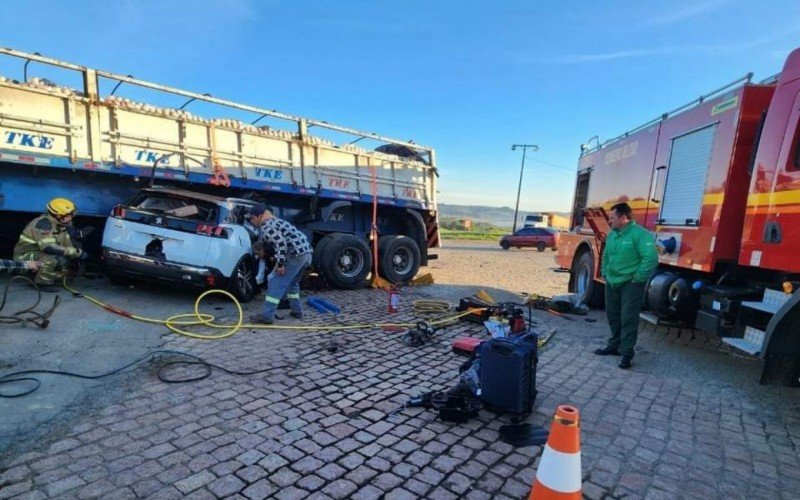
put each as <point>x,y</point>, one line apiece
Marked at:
<point>521,169</point>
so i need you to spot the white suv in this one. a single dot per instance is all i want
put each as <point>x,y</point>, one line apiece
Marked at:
<point>181,237</point>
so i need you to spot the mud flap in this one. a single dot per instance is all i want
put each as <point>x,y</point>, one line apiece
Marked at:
<point>782,341</point>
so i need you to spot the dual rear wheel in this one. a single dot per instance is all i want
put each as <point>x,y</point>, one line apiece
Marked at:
<point>345,259</point>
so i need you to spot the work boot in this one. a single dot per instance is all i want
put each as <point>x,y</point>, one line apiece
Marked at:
<point>261,319</point>
<point>296,314</point>
<point>625,363</point>
<point>607,351</point>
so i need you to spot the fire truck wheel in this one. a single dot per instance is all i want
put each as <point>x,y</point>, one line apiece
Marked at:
<point>658,293</point>
<point>243,280</point>
<point>399,258</point>
<point>541,246</point>
<point>346,261</point>
<point>582,281</point>
<point>782,346</point>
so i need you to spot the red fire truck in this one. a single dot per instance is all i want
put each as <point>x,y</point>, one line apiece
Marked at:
<point>718,183</point>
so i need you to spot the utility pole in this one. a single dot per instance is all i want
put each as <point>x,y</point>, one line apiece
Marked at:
<point>521,169</point>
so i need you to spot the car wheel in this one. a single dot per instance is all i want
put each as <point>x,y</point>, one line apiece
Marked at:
<point>541,246</point>
<point>582,281</point>
<point>505,245</point>
<point>242,283</point>
<point>346,261</point>
<point>399,258</point>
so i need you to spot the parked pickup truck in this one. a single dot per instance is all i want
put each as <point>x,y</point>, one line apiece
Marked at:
<point>182,238</point>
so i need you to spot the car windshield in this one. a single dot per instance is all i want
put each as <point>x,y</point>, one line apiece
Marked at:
<point>176,207</point>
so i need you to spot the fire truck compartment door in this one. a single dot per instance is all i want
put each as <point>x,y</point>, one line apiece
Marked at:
<point>686,177</point>
<point>598,221</point>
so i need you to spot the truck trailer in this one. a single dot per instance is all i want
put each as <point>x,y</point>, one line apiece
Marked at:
<point>718,183</point>
<point>98,148</point>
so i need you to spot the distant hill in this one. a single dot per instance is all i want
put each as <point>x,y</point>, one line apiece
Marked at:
<point>496,216</point>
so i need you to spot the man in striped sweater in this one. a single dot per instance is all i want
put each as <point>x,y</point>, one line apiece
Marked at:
<point>292,257</point>
<point>18,266</point>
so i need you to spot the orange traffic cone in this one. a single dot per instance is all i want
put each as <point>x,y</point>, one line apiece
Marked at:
<point>559,472</point>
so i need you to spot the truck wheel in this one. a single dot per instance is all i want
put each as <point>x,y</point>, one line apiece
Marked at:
<point>319,250</point>
<point>782,346</point>
<point>582,281</point>
<point>505,245</point>
<point>399,258</point>
<point>541,246</point>
<point>658,298</point>
<point>346,261</point>
<point>242,283</point>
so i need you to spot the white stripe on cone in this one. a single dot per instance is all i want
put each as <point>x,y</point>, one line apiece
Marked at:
<point>560,471</point>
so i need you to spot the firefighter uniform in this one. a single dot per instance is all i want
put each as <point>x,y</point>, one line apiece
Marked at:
<point>47,240</point>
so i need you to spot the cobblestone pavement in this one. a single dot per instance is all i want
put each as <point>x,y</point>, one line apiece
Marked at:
<point>687,421</point>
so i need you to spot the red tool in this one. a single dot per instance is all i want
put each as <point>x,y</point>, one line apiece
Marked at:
<point>466,346</point>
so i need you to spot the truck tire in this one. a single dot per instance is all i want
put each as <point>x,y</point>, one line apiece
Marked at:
<point>582,281</point>
<point>541,246</point>
<point>345,261</point>
<point>399,258</point>
<point>657,297</point>
<point>782,346</point>
<point>242,283</point>
<point>319,250</point>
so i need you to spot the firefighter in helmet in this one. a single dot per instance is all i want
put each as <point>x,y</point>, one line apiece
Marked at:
<point>46,239</point>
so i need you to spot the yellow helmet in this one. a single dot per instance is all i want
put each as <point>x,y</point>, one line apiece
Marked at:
<point>59,207</point>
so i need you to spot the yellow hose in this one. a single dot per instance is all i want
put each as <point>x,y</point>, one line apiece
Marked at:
<point>207,320</point>
<point>431,307</point>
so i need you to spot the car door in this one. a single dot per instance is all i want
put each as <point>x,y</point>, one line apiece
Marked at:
<point>535,237</point>
<point>526,237</point>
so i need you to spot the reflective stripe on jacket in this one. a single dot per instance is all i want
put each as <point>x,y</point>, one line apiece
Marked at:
<point>45,234</point>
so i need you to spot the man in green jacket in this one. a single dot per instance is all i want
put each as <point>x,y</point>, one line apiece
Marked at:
<point>629,259</point>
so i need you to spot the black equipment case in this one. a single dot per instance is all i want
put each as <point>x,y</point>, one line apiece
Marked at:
<point>508,375</point>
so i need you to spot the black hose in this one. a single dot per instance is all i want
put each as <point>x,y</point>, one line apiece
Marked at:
<point>24,316</point>
<point>23,375</point>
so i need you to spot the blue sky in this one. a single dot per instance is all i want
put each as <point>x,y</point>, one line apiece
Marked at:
<point>468,78</point>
